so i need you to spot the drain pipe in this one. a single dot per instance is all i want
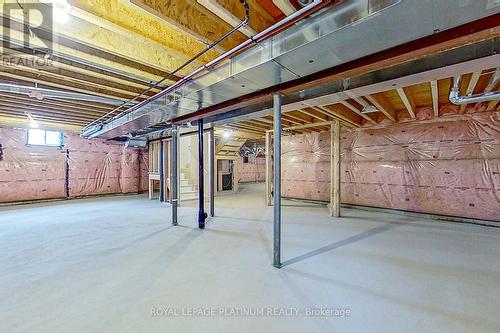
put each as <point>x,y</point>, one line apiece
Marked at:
<point>457,99</point>
<point>202,216</point>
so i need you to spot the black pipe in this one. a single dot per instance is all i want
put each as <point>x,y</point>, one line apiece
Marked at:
<point>201,190</point>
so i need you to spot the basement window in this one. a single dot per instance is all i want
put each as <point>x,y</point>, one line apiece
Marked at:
<point>37,137</point>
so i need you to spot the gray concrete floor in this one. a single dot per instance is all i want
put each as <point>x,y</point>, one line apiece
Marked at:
<point>102,265</point>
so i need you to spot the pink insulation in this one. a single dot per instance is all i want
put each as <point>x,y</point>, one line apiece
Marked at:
<point>448,166</point>
<point>95,167</point>
<point>28,173</point>
<point>253,171</point>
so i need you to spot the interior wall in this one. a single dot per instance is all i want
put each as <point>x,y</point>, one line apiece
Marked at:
<point>448,166</point>
<point>91,166</point>
<point>253,171</point>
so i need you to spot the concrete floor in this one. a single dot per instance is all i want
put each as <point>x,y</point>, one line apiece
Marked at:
<point>102,265</point>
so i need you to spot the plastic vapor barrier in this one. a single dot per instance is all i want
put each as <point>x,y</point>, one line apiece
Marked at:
<point>82,167</point>
<point>447,166</point>
<point>253,171</point>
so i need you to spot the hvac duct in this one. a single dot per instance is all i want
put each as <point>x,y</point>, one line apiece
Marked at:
<point>347,31</point>
<point>136,143</point>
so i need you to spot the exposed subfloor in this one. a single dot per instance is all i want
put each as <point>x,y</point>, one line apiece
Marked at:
<point>102,265</point>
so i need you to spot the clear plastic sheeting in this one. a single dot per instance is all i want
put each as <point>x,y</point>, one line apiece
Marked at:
<point>89,167</point>
<point>253,171</point>
<point>447,166</point>
<point>306,166</point>
<point>30,172</point>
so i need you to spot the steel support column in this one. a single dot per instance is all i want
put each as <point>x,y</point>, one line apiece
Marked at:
<point>212,172</point>
<point>161,158</point>
<point>277,181</point>
<point>201,188</point>
<point>174,177</point>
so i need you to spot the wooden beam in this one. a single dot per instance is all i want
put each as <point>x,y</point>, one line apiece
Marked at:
<point>310,125</point>
<point>225,15</point>
<point>379,107</point>
<point>470,89</point>
<point>124,19</point>
<point>193,19</point>
<point>249,127</point>
<point>256,123</point>
<point>492,85</point>
<point>19,121</point>
<point>219,132</point>
<point>69,78</point>
<point>435,97</point>
<point>294,119</point>
<point>313,115</point>
<point>260,19</point>
<point>406,102</point>
<point>291,120</point>
<point>80,89</point>
<point>358,112</point>
<point>23,99</point>
<point>243,129</point>
<point>335,169</point>
<point>41,116</point>
<point>79,36</point>
<point>346,121</point>
<point>56,111</point>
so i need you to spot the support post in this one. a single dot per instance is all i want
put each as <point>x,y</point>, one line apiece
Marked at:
<point>277,181</point>
<point>201,195</point>
<point>269,168</point>
<point>335,169</point>
<point>160,171</point>
<point>212,172</point>
<point>175,174</point>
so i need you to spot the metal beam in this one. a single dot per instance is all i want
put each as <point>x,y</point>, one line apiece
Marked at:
<point>277,181</point>
<point>212,172</point>
<point>175,174</point>
<point>202,216</point>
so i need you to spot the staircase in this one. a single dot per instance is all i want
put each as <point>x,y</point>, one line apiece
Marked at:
<point>188,189</point>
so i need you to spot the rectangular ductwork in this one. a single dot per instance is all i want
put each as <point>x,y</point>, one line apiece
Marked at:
<point>350,30</point>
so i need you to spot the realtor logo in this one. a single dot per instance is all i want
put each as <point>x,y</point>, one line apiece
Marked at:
<point>27,25</point>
